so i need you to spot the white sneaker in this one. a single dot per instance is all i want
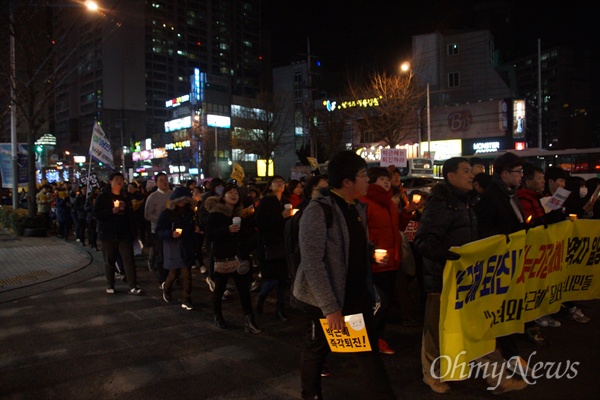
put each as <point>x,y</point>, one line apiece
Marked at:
<point>547,321</point>
<point>578,316</point>
<point>210,283</point>
<point>110,291</point>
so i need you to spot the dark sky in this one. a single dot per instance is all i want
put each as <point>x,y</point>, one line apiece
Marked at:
<point>355,35</point>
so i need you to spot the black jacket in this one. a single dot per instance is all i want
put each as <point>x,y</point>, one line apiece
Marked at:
<point>495,214</point>
<point>111,226</point>
<point>224,244</point>
<point>448,220</point>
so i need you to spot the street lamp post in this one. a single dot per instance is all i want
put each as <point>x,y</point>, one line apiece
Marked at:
<point>406,67</point>
<point>13,115</point>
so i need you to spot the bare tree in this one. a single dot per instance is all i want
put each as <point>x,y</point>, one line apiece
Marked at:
<point>388,104</point>
<point>262,129</point>
<point>329,132</point>
<point>29,24</point>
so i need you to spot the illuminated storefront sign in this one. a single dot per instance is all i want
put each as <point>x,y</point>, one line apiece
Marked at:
<point>149,154</point>
<point>177,145</point>
<point>486,147</point>
<point>176,102</point>
<point>333,105</point>
<point>218,121</point>
<point>518,119</point>
<point>177,124</point>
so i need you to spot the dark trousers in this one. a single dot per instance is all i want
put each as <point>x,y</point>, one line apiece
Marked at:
<point>241,284</point>
<point>111,250</point>
<point>316,350</point>
<point>186,281</point>
<point>269,284</point>
<point>386,283</point>
<point>156,257</point>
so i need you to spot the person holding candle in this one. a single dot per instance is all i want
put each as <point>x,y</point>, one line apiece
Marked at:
<point>228,234</point>
<point>334,277</point>
<point>175,228</point>
<point>116,232</point>
<point>383,220</point>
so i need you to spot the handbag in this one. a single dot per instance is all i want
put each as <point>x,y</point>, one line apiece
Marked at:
<point>275,251</point>
<point>226,266</point>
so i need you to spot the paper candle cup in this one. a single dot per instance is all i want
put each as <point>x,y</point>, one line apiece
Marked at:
<point>288,206</point>
<point>416,198</point>
<point>379,254</point>
<point>116,203</point>
<point>237,220</point>
<point>178,230</point>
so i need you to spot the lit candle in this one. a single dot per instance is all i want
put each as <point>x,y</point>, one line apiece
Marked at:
<point>572,217</point>
<point>416,198</point>
<point>379,254</point>
<point>295,210</point>
<point>178,230</point>
<point>116,203</point>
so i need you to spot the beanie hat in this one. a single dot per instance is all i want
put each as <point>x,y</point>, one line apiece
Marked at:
<point>180,192</point>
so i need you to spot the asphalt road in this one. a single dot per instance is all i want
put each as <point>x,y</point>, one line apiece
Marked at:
<point>66,339</point>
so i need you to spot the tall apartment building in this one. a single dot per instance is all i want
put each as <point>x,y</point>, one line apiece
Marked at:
<point>120,66</point>
<point>566,97</point>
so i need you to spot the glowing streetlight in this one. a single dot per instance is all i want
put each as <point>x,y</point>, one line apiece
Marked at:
<point>405,67</point>
<point>91,5</point>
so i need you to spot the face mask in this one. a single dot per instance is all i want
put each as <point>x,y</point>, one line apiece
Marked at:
<point>583,191</point>
<point>219,190</point>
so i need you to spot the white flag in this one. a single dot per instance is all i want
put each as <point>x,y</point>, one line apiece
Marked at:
<point>100,149</point>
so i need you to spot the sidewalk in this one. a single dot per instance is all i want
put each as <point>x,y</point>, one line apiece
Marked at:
<point>29,261</point>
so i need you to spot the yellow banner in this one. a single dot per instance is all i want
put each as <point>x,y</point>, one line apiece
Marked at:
<point>352,339</point>
<point>497,285</point>
<point>237,173</point>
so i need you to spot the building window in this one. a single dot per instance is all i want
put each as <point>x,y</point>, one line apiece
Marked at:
<point>453,79</point>
<point>453,49</point>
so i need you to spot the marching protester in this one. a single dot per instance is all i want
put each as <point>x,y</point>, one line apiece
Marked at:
<point>116,230</point>
<point>228,234</point>
<point>334,276</point>
<point>270,219</point>
<point>448,220</point>
<point>155,204</point>
<point>175,229</point>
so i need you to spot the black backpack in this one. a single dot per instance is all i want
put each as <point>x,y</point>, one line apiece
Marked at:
<point>291,230</point>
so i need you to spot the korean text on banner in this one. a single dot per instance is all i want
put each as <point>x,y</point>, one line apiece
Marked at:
<point>100,148</point>
<point>352,339</point>
<point>498,285</point>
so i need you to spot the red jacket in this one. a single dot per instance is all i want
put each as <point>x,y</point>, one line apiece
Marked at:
<point>530,203</point>
<point>383,221</point>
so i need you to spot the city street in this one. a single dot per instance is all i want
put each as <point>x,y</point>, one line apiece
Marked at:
<point>63,337</point>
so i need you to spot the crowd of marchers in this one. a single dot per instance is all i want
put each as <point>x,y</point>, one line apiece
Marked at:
<point>310,243</point>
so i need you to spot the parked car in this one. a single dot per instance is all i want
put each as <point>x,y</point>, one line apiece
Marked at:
<point>418,183</point>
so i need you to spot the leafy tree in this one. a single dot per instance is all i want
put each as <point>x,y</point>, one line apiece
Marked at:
<point>388,106</point>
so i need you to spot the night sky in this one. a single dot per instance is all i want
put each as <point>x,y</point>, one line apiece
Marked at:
<point>349,35</point>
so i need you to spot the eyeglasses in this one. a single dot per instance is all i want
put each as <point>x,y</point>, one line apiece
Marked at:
<point>517,171</point>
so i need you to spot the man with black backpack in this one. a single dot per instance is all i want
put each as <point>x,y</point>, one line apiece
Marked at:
<point>334,276</point>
